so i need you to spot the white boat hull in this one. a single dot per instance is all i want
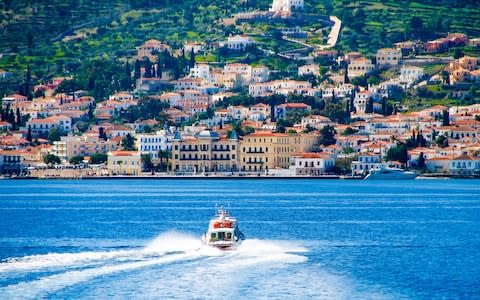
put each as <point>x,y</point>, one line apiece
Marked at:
<point>390,174</point>
<point>223,232</point>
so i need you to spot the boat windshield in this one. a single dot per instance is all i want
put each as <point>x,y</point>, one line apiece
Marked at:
<point>221,236</point>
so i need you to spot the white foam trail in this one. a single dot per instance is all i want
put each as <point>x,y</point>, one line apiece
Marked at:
<point>167,248</point>
<point>167,242</point>
<point>52,260</point>
<point>254,252</point>
<point>42,287</point>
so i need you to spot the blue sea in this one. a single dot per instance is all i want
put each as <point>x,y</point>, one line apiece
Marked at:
<point>306,239</point>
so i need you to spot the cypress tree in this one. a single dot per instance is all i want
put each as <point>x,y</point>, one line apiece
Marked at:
<point>90,112</point>
<point>28,78</point>
<point>159,70</point>
<point>128,74</point>
<point>19,118</point>
<point>192,58</point>
<point>29,134</point>
<point>446,118</point>
<point>346,79</point>
<point>11,117</point>
<point>421,161</point>
<point>148,68</point>
<point>137,72</point>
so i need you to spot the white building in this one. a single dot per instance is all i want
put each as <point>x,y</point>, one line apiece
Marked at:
<point>410,74</point>
<point>238,112</point>
<point>202,71</point>
<point>196,47</point>
<point>43,126</point>
<point>465,165</point>
<point>121,97</point>
<point>283,87</point>
<point>365,163</point>
<point>237,42</point>
<point>311,164</point>
<point>362,100</point>
<point>309,70</point>
<point>153,143</point>
<point>315,121</point>
<point>286,5</point>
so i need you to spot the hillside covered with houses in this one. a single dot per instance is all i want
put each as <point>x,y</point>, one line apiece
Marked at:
<point>290,100</point>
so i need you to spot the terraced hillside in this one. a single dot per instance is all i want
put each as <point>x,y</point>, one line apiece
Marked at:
<point>59,37</point>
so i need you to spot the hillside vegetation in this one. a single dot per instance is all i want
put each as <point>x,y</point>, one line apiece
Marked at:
<point>60,37</point>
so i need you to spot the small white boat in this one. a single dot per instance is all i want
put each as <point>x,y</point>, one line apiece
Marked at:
<point>385,173</point>
<point>223,231</point>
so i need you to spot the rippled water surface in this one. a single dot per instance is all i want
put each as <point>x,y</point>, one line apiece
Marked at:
<point>317,239</point>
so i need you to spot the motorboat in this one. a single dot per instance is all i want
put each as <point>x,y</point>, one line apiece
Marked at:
<point>223,231</point>
<point>385,173</point>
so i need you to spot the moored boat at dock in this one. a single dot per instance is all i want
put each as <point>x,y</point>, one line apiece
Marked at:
<point>385,173</point>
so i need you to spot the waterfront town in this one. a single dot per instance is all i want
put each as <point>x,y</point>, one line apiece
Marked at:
<point>340,114</point>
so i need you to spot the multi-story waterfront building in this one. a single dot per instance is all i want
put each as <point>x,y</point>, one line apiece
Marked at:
<point>263,151</point>
<point>152,143</point>
<point>124,163</point>
<point>205,152</point>
<point>84,145</point>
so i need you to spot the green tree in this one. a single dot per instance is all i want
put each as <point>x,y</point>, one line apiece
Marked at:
<point>147,162</point>
<point>164,155</point>
<point>327,136</point>
<point>458,53</point>
<point>98,158</point>
<point>68,86</point>
<point>349,131</point>
<point>29,134</point>
<point>446,118</point>
<point>128,142</point>
<point>442,141</point>
<point>248,130</point>
<point>76,160</point>
<point>398,153</point>
<point>421,165</point>
<point>51,159</point>
<point>55,134</point>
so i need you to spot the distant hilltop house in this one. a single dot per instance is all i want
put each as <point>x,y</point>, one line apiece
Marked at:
<point>196,47</point>
<point>360,67</point>
<point>279,6</point>
<point>5,74</point>
<point>237,42</point>
<point>465,69</point>
<point>279,9</point>
<point>151,48</point>
<point>389,57</point>
<point>411,74</point>
<point>443,44</point>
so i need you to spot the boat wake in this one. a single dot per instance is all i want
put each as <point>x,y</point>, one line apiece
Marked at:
<point>46,275</point>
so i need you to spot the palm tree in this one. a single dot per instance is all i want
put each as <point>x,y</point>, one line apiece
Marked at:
<point>164,154</point>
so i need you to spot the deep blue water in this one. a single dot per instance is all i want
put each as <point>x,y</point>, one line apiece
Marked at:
<point>317,239</point>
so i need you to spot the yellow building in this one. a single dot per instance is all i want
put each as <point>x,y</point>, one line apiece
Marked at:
<point>262,151</point>
<point>205,152</point>
<point>124,163</point>
<point>84,145</point>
